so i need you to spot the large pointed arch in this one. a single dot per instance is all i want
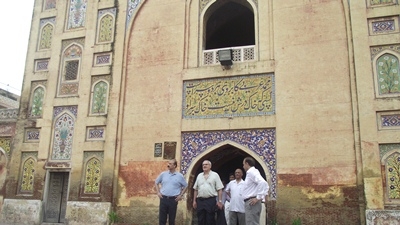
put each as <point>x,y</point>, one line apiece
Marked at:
<point>226,157</point>
<point>257,143</point>
<point>199,158</point>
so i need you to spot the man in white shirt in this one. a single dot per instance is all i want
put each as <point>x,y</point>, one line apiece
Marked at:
<point>255,190</point>
<point>228,199</point>
<point>236,207</point>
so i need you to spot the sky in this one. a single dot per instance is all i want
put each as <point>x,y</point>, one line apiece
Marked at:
<point>16,17</point>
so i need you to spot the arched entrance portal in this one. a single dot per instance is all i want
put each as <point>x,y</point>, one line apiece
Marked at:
<point>225,160</point>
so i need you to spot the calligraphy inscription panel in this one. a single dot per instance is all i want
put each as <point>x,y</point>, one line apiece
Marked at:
<point>229,97</point>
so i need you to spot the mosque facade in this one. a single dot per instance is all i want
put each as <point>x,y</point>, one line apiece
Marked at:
<point>113,89</point>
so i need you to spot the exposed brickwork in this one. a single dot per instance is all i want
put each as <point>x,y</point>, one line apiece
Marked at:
<point>295,179</point>
<point>139,177</point>
<point>314,204</point>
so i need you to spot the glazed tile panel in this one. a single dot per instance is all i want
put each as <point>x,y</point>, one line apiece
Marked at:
<point>229,97</point>
<point>132,5</point>
<point>260,141</point>
<point>63,132</point>
<point>77,14</point>
<point>390,160</point>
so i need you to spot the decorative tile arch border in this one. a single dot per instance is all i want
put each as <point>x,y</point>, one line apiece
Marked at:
<point>132,6</point>
<point>260,142</point>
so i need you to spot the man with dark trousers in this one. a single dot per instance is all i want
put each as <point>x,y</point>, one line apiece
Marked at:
<point>207,187</point>
<point>173,187</point>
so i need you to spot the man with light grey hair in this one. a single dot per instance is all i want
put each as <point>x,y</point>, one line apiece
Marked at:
<point>207,187</point>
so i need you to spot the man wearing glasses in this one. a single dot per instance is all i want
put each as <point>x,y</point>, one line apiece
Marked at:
<point>207,187</point>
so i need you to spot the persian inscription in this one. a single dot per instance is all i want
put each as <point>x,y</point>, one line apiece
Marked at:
<point>229,97</point>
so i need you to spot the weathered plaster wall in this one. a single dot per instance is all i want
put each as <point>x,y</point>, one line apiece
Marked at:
<point>12,209</point>
<point>87,212</point>
<point>313,102</point>
<point>315,146</point>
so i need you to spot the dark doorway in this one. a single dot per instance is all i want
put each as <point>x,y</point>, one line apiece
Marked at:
<point>56,201</point>
<point>230,25</point>
<point>225,160</point>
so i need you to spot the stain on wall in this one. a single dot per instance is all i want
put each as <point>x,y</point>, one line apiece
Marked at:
<point>139,177</point>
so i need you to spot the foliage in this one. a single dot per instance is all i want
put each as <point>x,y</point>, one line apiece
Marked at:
<point>113,217</point>
<point>296,221</point>
<point>273,222</point>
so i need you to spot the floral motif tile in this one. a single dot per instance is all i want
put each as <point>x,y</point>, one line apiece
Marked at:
<point>260,141</point>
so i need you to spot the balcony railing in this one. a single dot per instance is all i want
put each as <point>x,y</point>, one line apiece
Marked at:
<point>239,54</point>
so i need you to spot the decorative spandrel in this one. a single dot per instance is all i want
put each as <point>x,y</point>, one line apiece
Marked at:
<point>132,6</point>
<point>260,141</point>
<point>229,97</point>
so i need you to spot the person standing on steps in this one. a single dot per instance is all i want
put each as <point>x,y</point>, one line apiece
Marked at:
<point>254,191</point>
<point>173,187</point>
<point>207,187</point>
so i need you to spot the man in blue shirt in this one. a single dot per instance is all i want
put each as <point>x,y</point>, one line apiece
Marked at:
<point>173,187</point>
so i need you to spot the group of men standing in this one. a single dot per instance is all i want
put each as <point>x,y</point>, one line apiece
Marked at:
<point>245,196</point>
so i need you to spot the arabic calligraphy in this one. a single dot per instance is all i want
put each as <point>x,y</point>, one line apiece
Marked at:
<point>236,96</point>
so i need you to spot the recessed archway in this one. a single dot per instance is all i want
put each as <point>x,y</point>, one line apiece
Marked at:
<point>225,158</point>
